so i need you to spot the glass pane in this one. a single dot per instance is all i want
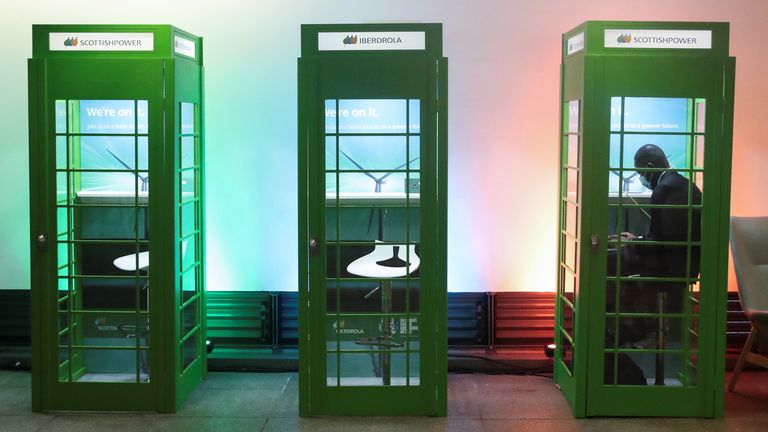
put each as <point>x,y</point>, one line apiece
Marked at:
<point>568,321</point>
<point>414,155</point>
<point>699,152</point>
<point>188,317</point>
<point>640,369</point>
<point>365,185</point>
<point>373,261</point>
<point>569,284</point>
<point>330,187</point>
<point>187,218</point>
<point>61,152</point>
<point>414,367</point>
<point>114,294</point>
<point>566,352</point>
<point>108,365</point>
<point>188,151</point>
<point>331,363</point>
<point>414,116</point>
<point>109,259</point>
<point>188,252</point>
<point>649,114</point>
<point>64,364</point>
<point>370,296</point>
<point>110,222</point>
<point>143,119</point>
<point>652,297</point>
<point>188,185</point>
<point>108,152</point>
<point>573,151</point>
<point>699,181</point>
<point>675,147</point>
<point>570,217</point>
<point>572,184</point>
<point>108,117</point>
<point>366,369</point>
<point>330,153</point>
<point>330,116</point>
<point>61,188</point>
<point>364,223</point>
<point>372,116</point>
<point>63,254</point>
<point>372,152</point>
<point>187,118</point>
<point>189,350</point>
<point>113,185</point>
<point>60,107</point>
<point>573,116</point>
<point>571,252</point>
<point>615,114</point>
<point>62,222</point>
<point>701,111</point>
<point>189,284</point>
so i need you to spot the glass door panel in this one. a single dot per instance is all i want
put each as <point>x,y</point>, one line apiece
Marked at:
<point>188,241</point>
<point>651,313</point>
<point>102,176</point>
<point>372,220</point>
<point>570,227</point>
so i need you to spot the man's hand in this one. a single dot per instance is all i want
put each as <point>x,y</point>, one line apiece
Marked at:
<point>625,236</point>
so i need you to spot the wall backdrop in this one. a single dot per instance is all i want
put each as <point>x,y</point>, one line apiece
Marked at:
<point>504,82</point>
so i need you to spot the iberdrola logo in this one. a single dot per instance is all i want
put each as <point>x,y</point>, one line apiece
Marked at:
<point>624,38</point>
<point>350,40</point>
<point>71,42</point>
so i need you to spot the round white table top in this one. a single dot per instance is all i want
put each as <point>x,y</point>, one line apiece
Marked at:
<point>128,262</point>
<point>367,266</point>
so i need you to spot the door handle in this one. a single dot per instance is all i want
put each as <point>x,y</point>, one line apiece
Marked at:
<point>313,246</point>
<point>42,242</point>
<point>594,241</point>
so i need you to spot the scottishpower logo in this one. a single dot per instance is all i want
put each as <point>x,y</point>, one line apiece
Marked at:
<point>624,38</point>
<point>350,40</point>
<point>100,41</point>
<point>104,325</point>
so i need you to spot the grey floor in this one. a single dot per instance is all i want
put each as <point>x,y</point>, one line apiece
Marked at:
<point>248,402</point>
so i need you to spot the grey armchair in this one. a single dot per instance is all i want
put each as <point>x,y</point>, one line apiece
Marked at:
<point>749,246</point>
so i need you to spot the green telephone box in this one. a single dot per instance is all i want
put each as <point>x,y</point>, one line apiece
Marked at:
<point>645,160</point>
<point>117,273</point>
<point>372,220</point>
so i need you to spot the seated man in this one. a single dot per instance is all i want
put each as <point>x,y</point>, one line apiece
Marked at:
<point>663,261</point>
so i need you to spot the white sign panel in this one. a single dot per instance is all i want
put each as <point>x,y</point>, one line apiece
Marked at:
<point>371,41</point>
<point>680,39</point>
<point>184,46</point>
<point>101,41</point>
<point>575,43</point>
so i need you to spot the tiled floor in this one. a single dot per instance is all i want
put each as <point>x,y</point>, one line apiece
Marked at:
<point>255,402</point>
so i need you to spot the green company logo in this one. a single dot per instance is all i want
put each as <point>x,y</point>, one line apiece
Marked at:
<point>624,38</point>
<point>350,40</point>
<point>340,328</point>
<point>71,42</point>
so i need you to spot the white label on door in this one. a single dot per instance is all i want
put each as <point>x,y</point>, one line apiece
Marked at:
<point>680,39</point>
<point>184,46</point>
<point>76,41</point>
<point>575,43</point>
<point>371,41</point>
